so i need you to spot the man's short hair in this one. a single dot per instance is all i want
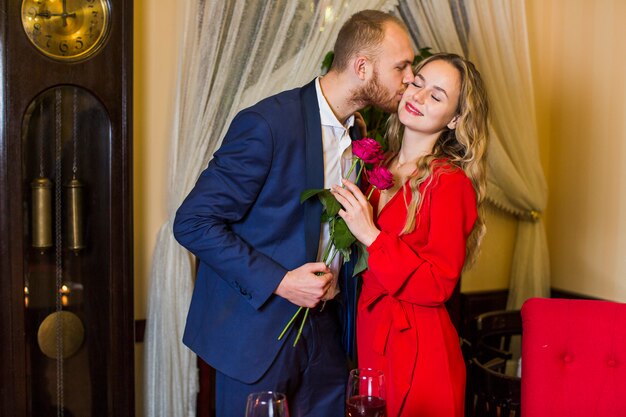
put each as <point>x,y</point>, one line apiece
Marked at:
<point>363,32</point>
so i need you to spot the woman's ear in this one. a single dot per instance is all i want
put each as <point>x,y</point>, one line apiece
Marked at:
<point>453,122</point>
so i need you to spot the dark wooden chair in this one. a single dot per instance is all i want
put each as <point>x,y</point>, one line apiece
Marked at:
<point>495,393</point>
<point>492,333</point>
<point>492,388</point>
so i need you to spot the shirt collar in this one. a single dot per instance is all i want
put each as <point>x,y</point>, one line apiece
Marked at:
<point>327,116</point>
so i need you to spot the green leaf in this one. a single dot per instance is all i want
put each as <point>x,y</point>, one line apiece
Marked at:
<point>341,235</point>
<point>423,53</point>
<point>361,262</point>
<point>378,115</point>
<point>330,203</point>
<point>381,140</point>
<point>367,114</point>
<point>346,254</point>
<point>306,194</point>
<point>325,217</point>
<point>327,62</point>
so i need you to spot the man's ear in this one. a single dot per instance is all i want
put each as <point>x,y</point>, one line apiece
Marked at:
<point>361,66</point>
<point>453,122</point>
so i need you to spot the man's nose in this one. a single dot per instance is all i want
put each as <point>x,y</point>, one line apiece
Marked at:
<point>408,75</point>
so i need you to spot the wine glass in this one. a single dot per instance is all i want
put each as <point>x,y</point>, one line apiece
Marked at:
<point>365,396</point>
<point>267,404</point>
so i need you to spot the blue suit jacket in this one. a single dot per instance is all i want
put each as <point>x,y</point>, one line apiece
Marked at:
<point>244,222</point>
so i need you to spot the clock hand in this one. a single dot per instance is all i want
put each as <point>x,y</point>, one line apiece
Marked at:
<point>64,15</point>
<point>46,14</point>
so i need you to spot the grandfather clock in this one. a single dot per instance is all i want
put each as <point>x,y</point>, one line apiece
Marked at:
<point>66,290</point>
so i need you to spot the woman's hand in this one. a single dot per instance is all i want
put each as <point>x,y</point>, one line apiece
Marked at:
<point>357,212</point>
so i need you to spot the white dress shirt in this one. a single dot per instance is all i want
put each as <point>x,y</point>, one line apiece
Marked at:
<point>337,148</point>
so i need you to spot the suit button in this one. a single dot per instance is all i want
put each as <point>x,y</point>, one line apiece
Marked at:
<point>567,359</point>
<point>612,363</point>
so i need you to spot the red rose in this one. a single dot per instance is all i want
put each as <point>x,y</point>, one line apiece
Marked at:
<point>368,150</point>
<point>380,177</point>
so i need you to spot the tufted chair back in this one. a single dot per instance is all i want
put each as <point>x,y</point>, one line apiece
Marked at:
<point>573,358</point>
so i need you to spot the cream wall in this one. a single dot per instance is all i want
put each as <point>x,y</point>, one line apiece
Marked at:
<point>578,55</point>
<point>157,27</point>
<point>579,63</point>
<point>491,271</point>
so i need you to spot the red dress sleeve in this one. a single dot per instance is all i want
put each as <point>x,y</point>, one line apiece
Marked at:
<point>423,267</point>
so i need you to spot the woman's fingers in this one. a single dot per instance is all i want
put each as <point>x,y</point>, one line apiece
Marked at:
<point>355,190</point>
<point>356,211</point>
<point>345,204</point>
<point>345,197</point>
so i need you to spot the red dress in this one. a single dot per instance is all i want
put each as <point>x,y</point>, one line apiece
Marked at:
<point>403,326</point>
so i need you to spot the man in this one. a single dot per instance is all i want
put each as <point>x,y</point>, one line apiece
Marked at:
<point>258,246</point>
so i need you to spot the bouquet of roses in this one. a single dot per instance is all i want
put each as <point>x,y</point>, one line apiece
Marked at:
<point>368,153</point>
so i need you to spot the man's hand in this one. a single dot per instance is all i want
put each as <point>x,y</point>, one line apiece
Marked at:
<point>303,287</point>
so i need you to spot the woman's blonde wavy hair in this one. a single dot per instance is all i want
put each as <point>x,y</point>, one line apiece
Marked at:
<point>464,147</point>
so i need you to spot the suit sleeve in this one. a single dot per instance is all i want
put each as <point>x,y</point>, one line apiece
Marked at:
<point>427,274</point>
<point>223,194</point>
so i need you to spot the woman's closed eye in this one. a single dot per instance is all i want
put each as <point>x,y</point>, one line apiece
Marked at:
<point>434,97</point>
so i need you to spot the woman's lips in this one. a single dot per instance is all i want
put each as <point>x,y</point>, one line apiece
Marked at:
<point>412,110</point>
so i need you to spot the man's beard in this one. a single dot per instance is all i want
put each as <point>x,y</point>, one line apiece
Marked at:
<point>375,94</point>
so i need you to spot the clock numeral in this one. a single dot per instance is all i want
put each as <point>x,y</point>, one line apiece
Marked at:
<point>48,41</point>
<point>63,46</point>
<point>36,29</point>
<point>32,12</point>
<point>79,43</point>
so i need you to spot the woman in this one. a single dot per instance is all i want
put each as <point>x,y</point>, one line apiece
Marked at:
<point>420,234</point>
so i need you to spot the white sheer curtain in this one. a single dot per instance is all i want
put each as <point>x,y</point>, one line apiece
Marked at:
<point>493,35</point>
<point>233,53</point>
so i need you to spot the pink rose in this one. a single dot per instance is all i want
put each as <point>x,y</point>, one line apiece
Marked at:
<point>368,150</point>
<point>380,177</point>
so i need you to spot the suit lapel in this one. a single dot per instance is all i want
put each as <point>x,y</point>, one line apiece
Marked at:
<point>314,168</point>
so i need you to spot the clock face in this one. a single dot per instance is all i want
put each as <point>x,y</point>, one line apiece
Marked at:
<point>67,30</point>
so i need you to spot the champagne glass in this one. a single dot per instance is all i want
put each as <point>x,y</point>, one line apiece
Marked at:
<point>365,396</point>
<point>267,404</point>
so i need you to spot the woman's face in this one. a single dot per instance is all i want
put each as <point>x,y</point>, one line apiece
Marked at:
<point>429,104</point>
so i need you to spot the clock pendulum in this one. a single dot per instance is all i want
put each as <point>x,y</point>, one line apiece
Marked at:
<point>41,190</point>
<point>74,193</point>
<point>61,333</point>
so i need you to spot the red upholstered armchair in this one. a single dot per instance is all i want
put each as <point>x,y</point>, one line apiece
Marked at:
<point>573,358</point>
